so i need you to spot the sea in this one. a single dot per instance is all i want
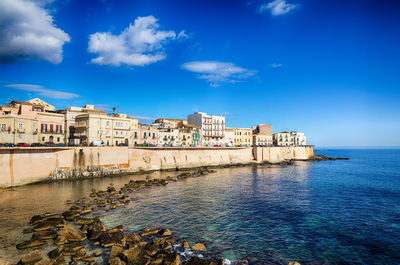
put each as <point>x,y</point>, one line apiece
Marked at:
<point>337,212</point>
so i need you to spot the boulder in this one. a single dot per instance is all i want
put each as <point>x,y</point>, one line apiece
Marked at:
<point>36,219</point>
<point>199,246</point>
<point>47,234</point>
<point>115,261</point>
<point>150,250</point>
<point>107,239</point>
<point>31,257</point>
<point>148,232</point>
<point>42,226</point>
<point>56,253</point>
<point>70,215</point>
<point>116,251</point>
<point>133,238</point>
<point>165,232</point>
<point>135,256</point>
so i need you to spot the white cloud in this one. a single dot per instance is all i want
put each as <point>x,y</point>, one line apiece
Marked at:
<point>217,73</point>
<point>139,44</point>
<point>276,65</point>
<point>277,7</point>
<point>41,91</point>
<point>27,31</point>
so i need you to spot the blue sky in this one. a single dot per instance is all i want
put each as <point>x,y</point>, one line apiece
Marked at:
<point>330,69</point>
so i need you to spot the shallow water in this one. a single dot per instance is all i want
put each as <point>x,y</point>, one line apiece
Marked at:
<point>338,211</point>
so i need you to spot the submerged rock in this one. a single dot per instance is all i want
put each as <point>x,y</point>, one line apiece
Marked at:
<point>33,243</point>
<point>172,259</point>
<point>185,244</point>
<point>70,234</point>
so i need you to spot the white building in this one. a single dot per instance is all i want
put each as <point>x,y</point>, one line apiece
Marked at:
<point>229,138</point>
<point>212,127</point>
<point>289,139</point>
<point>299,138</point>
<point>168,137</point>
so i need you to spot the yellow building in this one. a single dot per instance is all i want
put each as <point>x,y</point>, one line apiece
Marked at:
<point>243,136</point>
<point>97,128</point>
<point>14,129</point>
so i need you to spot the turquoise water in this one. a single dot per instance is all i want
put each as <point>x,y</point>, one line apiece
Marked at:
<point>336,211</point>
<point>343,212</point>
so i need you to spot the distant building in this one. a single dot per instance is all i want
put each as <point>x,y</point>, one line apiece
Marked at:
<point>229,138</point>
<point>147,134</point>
<point>243,136</point>
<point>168,137</point>
<point>96,127</point>
<point>212,127</point>
<point>25,122</point>
<point>39,102</point>
<point>170,123</point>
<point>262,135</point>
<point>195,137</point>
<point>286,138</point>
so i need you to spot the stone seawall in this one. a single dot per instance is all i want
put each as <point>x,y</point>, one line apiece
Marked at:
<point>19,166</point>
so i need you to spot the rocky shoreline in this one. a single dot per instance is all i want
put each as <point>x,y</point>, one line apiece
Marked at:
<point>77,239</point>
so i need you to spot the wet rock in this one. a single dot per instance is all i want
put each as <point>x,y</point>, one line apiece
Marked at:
<point>185,244</point>
<point>81,221</point>
<point>116,261</point>
<point>56,253</point>
<point>220,262</point>
<point>116,251</point>
<point>293,263</point>
<point>172,259</point>
<point>244,261</point>
<point>36,219</point>
<point>33,243</point>
<point>165,232</point>
<point>198,261</point>
<point>133,238</point>
<point>97,253</point>
<point>31,258</point>
<point>42,226</point>
<point>199,246</point>
<point>72,250</point>
<point>48,234</point>
<point>79,255</point>
<point>88,259</point>
<point>70,234</point>
<point>46,261</point>
<point>148,232</point>
<point>135,256</point>
<point>27,230</point>
<point>70,215</point>
<point>107,239</point>
<point>150,250</point>
<point>55,221</point>
<point>166,246</point>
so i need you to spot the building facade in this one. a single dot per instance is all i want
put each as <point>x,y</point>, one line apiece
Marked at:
<point>262,135</point>
<point>170,123</point>
<point>168,137</point>
<point>212,127</point>
<point>146,135</point>
<point>243,136</point>
<point>289,139</point>
<point>97,128</point>
<point>229,139</point>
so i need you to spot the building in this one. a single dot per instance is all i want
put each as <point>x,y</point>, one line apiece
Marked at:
<point>39,102</point>
<point>185,138</point>
<point>31,123</point>
<point>195,131</point>
<point>289,139</point>
<point>299,139</point>
<point>146,135</point>
<point>168,137</point>
<point>243,136</point>
<point>262,135</point>
<point>96,127</point>
<point>212,127</point>
<point>229,139</point>
<point>170,123</point>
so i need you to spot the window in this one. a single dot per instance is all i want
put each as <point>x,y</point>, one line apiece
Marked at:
<point>58,139</point>
<point>34,129</point>
<point>122,133</point>
<point>144,134</point>
<point>20,126</point>
<point>135,136</point>
<point>43,139</point>
<point>154,135</point>
<point>108,123</point>
<point>3,127</point>
<point>107,133</point>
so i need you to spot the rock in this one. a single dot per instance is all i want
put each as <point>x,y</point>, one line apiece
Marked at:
<point>135,256</point>
<point>107,239</point>
<point>115,261</point>
<point>150,250</point>
<point>55,221</point>
<point>244,261</point>
<point>71,234</point>
<point>46,261</point>
<point>116,251</point>
<point>42,226</point>
<point>81,221</point>
<point>185,244</point>
<point>133,238</point>
<point>27,230</point>
<point>199,246</point>
<point>33,243</point>
<point>220,262</point>
<point>97,253</point>
<point>198,261</point>
<point>31,257</point>
<point>72,250</point>
<point>293,263</point>
<point>166,246</point>
<point>148,232</point>
<point>88,259</point>
<point>70,215</point>
<point>165,232</point>
<point>36,219</point>
<point>172,259</point>
<point>48,234</point>
<point>55,253</point>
